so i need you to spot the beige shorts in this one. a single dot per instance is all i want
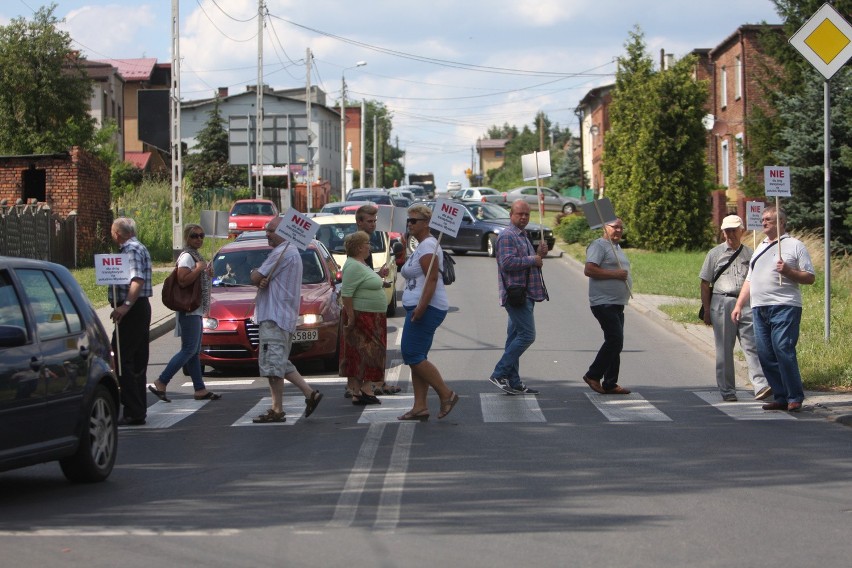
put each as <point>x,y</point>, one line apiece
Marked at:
<point>273,358</point>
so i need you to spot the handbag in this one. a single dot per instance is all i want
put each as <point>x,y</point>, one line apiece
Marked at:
<point>181,298</point>
<point>516,296</point>
<point>716,277</point>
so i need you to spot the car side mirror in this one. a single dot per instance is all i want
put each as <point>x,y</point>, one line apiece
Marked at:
<point>12,336</point>
<point>397,248</point>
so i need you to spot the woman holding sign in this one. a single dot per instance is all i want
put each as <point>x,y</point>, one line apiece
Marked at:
<point>425,301</point>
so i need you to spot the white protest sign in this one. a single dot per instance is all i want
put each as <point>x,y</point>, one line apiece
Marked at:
<point>776,181</point>
<point>391,219</point>
<point>297,229</point>
<point>112,269</point>
<point>447,217</point>
<point>754,212</point>
<point>536,165</point>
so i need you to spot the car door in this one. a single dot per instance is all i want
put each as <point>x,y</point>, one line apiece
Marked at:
<point>64,349</point>
<point>552,200</point>
<point>22,393</point>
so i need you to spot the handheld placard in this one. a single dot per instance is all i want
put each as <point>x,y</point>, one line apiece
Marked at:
<point>599,212</point>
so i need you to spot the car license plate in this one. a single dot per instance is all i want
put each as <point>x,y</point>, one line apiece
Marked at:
<point>305,335</point>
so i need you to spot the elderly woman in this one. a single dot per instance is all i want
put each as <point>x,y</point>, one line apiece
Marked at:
<point>364,341</point>
<point>190,267</point>
<point>425,301</point>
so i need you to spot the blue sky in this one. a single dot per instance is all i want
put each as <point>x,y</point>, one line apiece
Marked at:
<point>448,70</point>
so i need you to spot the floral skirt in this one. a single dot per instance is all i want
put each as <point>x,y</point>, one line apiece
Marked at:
<point>363,347</point>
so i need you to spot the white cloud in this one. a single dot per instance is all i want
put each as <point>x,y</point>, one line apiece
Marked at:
<point>115,31</point>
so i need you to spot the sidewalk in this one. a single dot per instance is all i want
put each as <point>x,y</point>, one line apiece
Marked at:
<point>833,406</point>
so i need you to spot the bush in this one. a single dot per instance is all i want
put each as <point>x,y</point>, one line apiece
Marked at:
<point>574,229</point>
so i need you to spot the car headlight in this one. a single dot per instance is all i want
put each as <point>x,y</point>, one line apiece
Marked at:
<point>309,319</point>
<point>209,323</point>
<point>232,225</point>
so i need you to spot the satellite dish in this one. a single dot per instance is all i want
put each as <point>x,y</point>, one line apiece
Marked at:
<point>708,121</point>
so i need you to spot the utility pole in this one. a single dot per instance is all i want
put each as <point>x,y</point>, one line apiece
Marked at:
<point>174,143</point>
<point>310,131</point>
<point>375,152</point>
<point>362,175</point>
<point>258,127</point>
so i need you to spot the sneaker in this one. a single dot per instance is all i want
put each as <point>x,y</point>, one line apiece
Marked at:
<point>502,383</point>
<point>763,393</point>
<point>730,398</point>
<point>524,389</point>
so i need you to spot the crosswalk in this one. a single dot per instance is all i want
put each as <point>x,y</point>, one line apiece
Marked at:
<point>493,408</point>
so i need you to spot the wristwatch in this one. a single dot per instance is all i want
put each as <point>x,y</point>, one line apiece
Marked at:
<point>128,303</point>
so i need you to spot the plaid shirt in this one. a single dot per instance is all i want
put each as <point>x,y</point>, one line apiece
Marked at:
<point>140,269</point>
<point>515,254</point>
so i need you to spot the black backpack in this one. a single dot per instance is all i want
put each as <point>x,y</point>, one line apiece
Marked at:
<point>449,272</point>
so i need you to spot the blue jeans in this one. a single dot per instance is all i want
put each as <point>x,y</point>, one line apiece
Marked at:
<point>607,363</point>
<point>776,332</point>
<point>190,347</point>
<point>520,334</point>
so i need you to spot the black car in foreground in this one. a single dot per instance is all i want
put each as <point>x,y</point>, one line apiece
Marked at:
<point>58,391</point>
<point>481,224</point>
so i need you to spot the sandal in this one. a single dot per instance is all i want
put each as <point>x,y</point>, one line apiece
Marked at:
<point>421,416</point>
<point>158,393</point>
<point>365,399</point>
<point>389,389</point>
<point>447,405</point>
<point>270,416</point>
<point>312,402</point>
<point>208,396</point>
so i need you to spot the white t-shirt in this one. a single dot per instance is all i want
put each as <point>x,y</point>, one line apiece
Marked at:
<point>763,279</point>
<point>415,278</point>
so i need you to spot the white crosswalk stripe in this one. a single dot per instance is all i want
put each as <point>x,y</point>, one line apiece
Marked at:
<point>626,408</point>
<point>294,409</point>
<point>498,407</point>
<point>167,414</point>
<point>742,410</point>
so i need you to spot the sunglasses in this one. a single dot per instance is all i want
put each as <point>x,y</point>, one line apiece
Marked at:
<point>413,220</point>
<point>196,235</point>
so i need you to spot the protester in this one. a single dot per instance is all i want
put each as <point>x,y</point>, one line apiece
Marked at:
<point>722,277</point>
<point>132,316</point>
<point>609,291</point>
<point>776,304</point>
<point>364,339</point>
<point>425,302</point>
<point>518,264</point>
<point>279,282</point>
<point>190,267</point>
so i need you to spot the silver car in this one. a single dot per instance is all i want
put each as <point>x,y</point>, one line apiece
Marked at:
<point>552,200</point>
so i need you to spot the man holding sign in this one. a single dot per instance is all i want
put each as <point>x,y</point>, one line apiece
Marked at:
<point>279,283</point>
<point>779,265</point>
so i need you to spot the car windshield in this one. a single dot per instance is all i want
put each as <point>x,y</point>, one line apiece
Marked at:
<point>377,198</point>
<point>241,209</point>
<point>332,236</point>
<point>233,268</point>
<point>487,211</point>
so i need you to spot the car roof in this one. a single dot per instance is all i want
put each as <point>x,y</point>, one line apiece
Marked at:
<point>253,244</point>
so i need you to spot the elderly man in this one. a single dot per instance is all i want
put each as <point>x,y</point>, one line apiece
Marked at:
<point>518,264</point>
<point>132,317</point>
<point>279,283</point>
<point>722,277</point>
<point>779,265</point>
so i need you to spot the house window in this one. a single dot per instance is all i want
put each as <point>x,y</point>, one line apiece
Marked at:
<point>723,88</point>
<point>726,165</point>
<point>738,78</point>
<point>498,153</point>
<point>738,140</point>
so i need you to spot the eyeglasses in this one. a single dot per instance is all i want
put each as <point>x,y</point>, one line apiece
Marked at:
<point>768,220</point>
<point>196,235</point>
<point>413,220</point>
<point>616,227</point>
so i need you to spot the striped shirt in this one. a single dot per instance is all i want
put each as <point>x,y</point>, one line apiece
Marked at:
<point>516,260</point>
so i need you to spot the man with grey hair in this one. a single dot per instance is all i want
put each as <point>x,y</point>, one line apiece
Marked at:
<point>132,316</point>
<point>722,277</point>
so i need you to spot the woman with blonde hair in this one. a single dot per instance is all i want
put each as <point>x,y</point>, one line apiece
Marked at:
<point>190,267</point>
<point>425,301</point>
<point>364,339</point>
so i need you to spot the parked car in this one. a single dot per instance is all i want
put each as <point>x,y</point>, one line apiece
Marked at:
<point>230,335</point>
<point>402,192</point>
<point>333,230</point>
<point>453,186</point>
<point>337,207</point>
<point>58,390</point>
<point>418,192</point>
<point>552,200</point>
<point>250,215</point>
<point>377,196</point>
<point>481,194</point>
<point>481,224</point>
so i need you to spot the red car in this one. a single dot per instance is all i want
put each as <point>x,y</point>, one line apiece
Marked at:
<point>250,215</point>
<point>230,336</point>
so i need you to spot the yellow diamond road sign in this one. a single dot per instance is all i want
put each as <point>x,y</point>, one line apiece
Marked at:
<point>825,40</point>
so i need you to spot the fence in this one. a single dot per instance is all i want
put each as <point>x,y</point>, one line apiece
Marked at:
<point>32,231</point>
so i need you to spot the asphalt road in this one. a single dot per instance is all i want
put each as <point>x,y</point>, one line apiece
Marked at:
<point>668,476</point>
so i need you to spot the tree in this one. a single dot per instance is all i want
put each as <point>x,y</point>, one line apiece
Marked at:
<point>526,141</point>
<point>210,167</point>
<point>654,154</point>
<point>567,172</point>
<point>44,90</point>
<point>388,157</point>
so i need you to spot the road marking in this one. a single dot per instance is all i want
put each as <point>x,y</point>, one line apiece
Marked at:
<point>626,408</point>
<point>390,500</point>
<point>388,410</point>
<point>347,503</point>
<point>745,410</point>
<point>228,383</point>
<point>510,408</point>
<point>166,414</point>
<point>118,531</point>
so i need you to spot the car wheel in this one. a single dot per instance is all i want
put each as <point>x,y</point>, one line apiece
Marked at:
<point>569,208</point>
<point>459,252</point>
<point>491,245</point>
<point>98,444</point>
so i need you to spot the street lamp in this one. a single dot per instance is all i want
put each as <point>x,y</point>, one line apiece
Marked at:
<point>343,187</point>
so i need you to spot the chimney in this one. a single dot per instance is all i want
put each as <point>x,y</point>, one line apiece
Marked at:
<point>223,92</point>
